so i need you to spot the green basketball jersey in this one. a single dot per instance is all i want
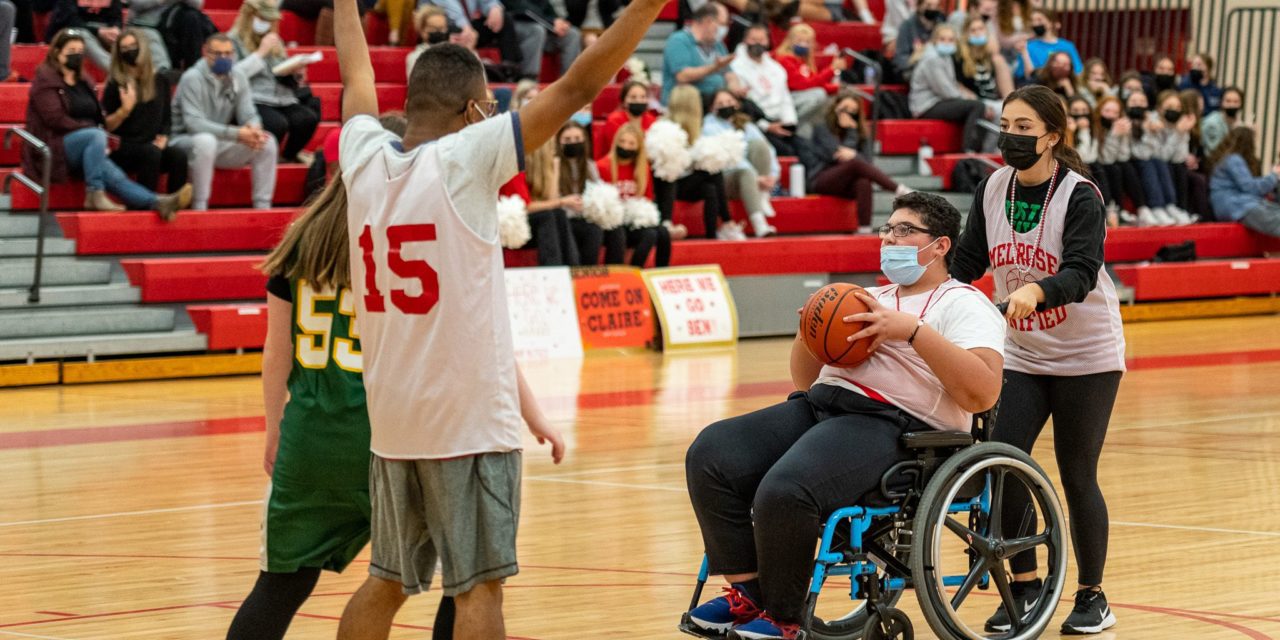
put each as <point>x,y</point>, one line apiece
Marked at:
<point>324,436</point>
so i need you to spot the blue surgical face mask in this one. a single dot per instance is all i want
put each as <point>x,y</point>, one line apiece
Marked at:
<point>582,119</point>
<point>221,66</point>
<point>900,265</point>
<point>945,48</point>
<point>978,41</point>
<point>800,51</point>
<point>722,32</point>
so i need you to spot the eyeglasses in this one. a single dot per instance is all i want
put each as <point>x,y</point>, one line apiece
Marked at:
<point>487,107</point>
<point>901,230</point>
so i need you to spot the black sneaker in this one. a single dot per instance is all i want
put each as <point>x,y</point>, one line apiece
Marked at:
<point>1090,615</point>
<point>1028,593</point>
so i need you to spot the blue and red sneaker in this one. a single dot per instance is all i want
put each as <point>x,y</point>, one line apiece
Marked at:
<point>718,616</point>
<point>765,628</point>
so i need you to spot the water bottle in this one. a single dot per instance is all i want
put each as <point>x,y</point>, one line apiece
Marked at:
<point>869,74</point>
<point>797,180</point>
<point>923,156</point>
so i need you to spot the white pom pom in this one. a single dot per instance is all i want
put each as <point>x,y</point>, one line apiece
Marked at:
<point>667,146</point>
<point>513,222</point>
<point>602,205</point>
<point>717,153</point>
<point>641,213</point>
<point>635,67</point>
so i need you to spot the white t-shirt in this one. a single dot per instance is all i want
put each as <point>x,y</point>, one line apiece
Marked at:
<point>426,268</point>
<point>896,374</point>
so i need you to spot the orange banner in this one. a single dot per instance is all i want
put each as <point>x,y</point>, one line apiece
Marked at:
<point>614,309</point>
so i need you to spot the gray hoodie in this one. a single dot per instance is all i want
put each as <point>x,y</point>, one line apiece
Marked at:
<point>932,81</point>
<point>146,13</point>
<point>264,84</point>
<point>207,103</point>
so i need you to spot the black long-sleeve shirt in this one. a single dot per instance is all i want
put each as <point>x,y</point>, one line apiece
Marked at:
<point>1083,237</point>
<point>148,119</point>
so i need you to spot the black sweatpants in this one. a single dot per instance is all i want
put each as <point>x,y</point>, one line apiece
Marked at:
<point>588,237</point>
<point>147,161</point>
<point>656,240</point>
<point>965,112</point>
<point>553,237</point>
<point>292,126</point>
<point>1081,410</point>
<point>699,186</point>
<point>1122,179</point>
<point>790,466</point>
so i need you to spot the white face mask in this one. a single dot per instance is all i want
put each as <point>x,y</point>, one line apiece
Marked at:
<point>260,26</point>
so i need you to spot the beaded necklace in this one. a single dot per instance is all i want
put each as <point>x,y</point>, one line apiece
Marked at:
<point>1044,213</point>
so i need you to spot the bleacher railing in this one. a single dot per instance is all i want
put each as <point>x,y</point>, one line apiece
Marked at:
<point>41,190</point>
<point>1248,58</point>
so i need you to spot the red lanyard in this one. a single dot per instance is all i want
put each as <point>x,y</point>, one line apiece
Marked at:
<point>897,300</point>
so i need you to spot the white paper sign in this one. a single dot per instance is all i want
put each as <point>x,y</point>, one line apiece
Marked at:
<point>544,316</point>
<point>694,306</point>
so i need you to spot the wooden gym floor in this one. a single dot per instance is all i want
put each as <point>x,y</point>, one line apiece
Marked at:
<point>132,509</point>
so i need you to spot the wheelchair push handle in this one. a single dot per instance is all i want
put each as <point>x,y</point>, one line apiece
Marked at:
<point>1003,307</point>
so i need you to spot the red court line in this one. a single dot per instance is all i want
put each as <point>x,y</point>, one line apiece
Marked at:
<point>90,435</point>
<point>1182,360</point>
<point>56,613</point>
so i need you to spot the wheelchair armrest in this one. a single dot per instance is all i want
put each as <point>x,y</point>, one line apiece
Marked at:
<point>936,439</point>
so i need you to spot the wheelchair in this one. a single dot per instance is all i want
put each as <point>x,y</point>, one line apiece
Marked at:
<point>935,526</point>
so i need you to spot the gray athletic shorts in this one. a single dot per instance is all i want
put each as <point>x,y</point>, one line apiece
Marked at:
<point>462,512</point>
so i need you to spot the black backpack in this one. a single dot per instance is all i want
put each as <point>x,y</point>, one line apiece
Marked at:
<point>892,105</point>
<point>184,29</point>
<point>968,174</point>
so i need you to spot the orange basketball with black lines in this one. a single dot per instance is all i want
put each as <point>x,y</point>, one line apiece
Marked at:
<point>824,331</point>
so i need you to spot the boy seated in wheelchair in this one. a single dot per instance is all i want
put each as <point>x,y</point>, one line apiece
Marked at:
<point>763,483</point>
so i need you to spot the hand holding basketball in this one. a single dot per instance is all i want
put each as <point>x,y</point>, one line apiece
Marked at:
<point>880,323</point>
<point>821,329</point>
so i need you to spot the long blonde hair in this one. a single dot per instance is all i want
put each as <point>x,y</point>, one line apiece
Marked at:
<point>684,108</point>
<point>641,161</point>
<point>315,247</point>
<point>787,48</point>
<point>970,55</point>
<point>243,28</point>
<point>544,181</point>
<point>145,80</point>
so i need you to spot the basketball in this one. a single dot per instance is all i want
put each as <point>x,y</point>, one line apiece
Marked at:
<point>825,332</point>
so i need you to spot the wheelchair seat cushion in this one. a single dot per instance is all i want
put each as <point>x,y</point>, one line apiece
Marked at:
<point>936,439</point>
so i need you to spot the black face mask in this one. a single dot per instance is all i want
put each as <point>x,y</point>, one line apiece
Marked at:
<point>129,56</point>
<point>627,154</point>
<point>1172,115</point>
<point>756,50</point>
<point>1039,30</point>
<point>1106,123</point>
<point>1164,81</point>
<point>1136,113</point>
<point>724,113</point>
<point>1196,75</point>
<point>437,37</point>
<point>637,108</point>
<point>574,149</point>
<point>932,15</point>
<point>73,61</point>
<point>1231,112</point>
<point>1019,151</point>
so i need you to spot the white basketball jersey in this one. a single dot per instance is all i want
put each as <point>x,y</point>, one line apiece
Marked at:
<point>1071,340</point>
<point>439,367</point>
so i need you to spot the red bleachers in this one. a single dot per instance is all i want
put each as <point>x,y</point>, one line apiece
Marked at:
<point>231,326</point>
<point>903,137</point>
<point>191,279</point>
<point>1213,240</point>
<point>943,164</point>
<point>1203,279</point>
<point>390,98</point>
<point>231,188</point>
<point>135,232</point>
<point>782,255</point>
<point>812,214</point>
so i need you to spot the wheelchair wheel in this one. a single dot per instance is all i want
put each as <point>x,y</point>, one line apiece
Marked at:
<point>889,624</point>
<point>839,617</point>
<point>952,553</point>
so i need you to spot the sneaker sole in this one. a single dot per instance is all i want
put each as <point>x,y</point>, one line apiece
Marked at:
<point>1107,623</point>
<point>689,626</point>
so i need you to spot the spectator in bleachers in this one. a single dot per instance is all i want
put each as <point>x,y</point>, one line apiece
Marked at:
<point>1114,133</point>
<point>101,21</point>
<point>1095,82</point>
<point>1149,142</point>
<point>766,88</point>
<point>633,108</point>
<point>1013,28</point>
<point>319,12</point>
<point>896,12</point>
<point>1193,103</point>
<point>846,171</point>
<point>549,229</point>
<point>1083,138</point>
<point>627,167</point>
<point>915,34</point>
<point>1056,75</point>
<point>558,174</point>
<point>183,19</point>
<point>541,28</point>
<point>483,23</point>
<point>64,112</point>
<point>399,15</point>
<point>1164,75</point>
<point>1190,189</point>
<point>980,67</point>
<point>1130,83</point>
<point>936,94</point>
<point>1046,43</point>
<point>23,21</point>
<point>433,28</point>
<point>7,15</point>
<point>696,55</point>
<point>1237,191</point>
<point>1200,77</point>
<point>985,10</point>
<point>136,101</point>
<point>685,109</point>
<point>216,123</point>
<point>1214,127</point>
<point>755,176</point>
<point>284,103</point>
<point>809,87</point>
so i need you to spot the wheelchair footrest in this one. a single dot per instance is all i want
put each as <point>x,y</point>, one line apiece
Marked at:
<point>936,439</point>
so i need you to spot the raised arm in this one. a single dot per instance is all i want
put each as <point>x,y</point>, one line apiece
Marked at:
<point>541,118</point>
<point>358,95</point>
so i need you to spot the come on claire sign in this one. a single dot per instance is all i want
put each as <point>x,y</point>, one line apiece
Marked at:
<point>694,305</point>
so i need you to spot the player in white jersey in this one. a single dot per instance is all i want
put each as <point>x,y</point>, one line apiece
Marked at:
<point>444,393</point>
<point>1039,223</point>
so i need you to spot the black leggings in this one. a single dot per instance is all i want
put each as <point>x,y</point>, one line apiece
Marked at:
<point>147,161</point>
<point>1121,180</point>
<point>292,126</point>
<point>276,597</point>
<point>790,466</point>
<point>553,238</point>
<point>699,186</point>
<point>1192,189</point>
<point>965,112</point>
<point>1081,410</point>
<point>656,240</point>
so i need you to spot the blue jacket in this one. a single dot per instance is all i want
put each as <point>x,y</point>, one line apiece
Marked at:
<point>1039,52</point>
<point>1235,191</point>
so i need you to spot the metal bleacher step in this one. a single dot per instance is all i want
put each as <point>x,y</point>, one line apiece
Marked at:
<point>72,295</point>
<point>18,272</point>
<point>183,341</point>
<point>78,321</point>
<point>883,200</point>
<point>18,226</point>
<point>20,247</point>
